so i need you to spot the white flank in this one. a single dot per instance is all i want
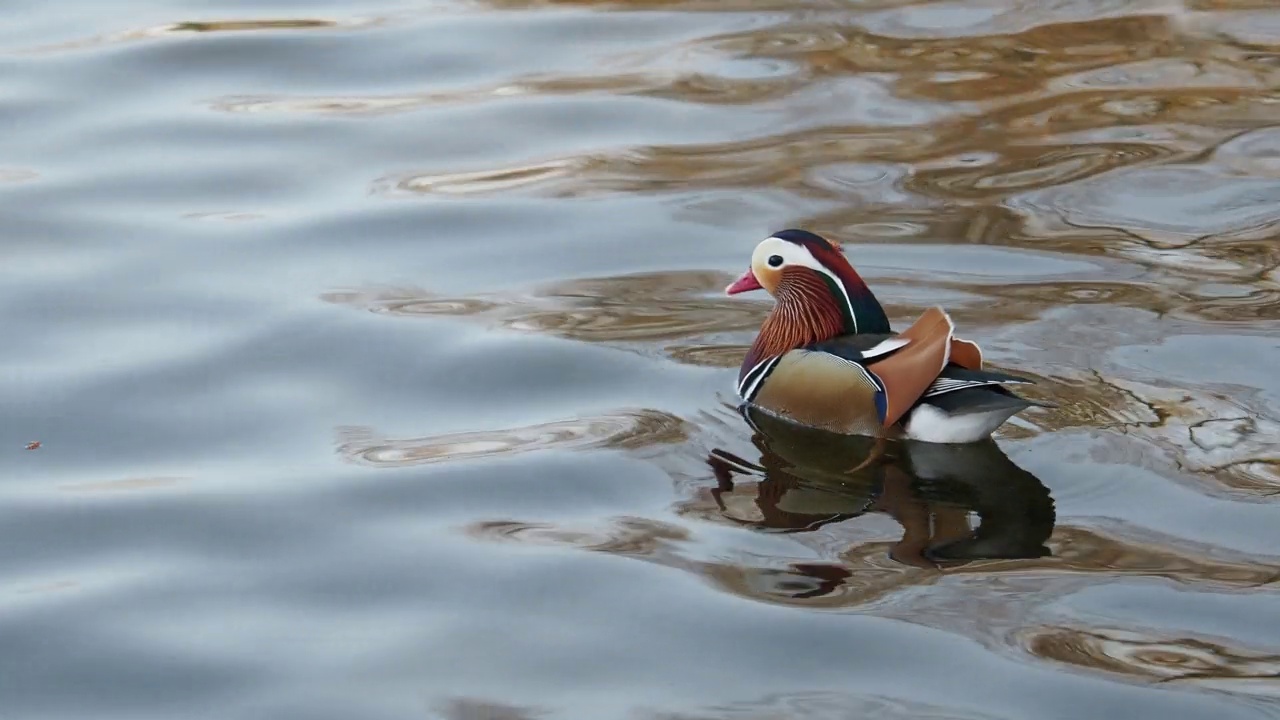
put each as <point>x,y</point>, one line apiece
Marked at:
<point>927,423</point>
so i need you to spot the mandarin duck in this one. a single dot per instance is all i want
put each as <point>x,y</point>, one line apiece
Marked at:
<point>825,356</point>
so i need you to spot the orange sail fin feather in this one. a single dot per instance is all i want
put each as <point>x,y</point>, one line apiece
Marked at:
<point>966,354</point>
<point>908,373</point>
<point>826,356</point>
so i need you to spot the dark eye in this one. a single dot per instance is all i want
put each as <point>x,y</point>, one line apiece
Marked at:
<point>775,261</point>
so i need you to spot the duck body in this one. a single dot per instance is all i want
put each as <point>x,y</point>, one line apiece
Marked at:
<point>826,357</point>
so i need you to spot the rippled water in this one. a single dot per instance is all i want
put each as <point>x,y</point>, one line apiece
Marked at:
<point>379,366</point>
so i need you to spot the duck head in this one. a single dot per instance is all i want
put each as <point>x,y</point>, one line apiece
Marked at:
<point>819,295</point>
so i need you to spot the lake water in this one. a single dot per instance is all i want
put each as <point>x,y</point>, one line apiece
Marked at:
<point>380,367</point>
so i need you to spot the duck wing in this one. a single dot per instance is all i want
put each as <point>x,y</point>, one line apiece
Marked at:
<point>954,378</point>
<point>906,374</point>
<point>862,347</point>
<point>925,360</point>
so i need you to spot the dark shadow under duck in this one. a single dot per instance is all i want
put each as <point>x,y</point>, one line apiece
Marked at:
<point>812,478</point>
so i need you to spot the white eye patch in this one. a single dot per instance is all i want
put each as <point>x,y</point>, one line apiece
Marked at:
<point>793,254</point>
<point>790,253</point>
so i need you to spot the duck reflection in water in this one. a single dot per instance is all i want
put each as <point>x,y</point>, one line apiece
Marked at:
<point>812,478</point>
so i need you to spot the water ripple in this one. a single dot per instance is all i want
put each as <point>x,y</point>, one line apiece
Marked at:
<point>1168,659</point>
<point>1166,206</point>
<point>194,27</point>
<point>760,162</point>
<point>631,536</point>
<point>1027,168</point>
<point>825,706</point>
<point>625,430</point>
<point>683,86</point>
<point>772,160</point>
<point>1090,187</point>
<point>631,308</point>
<point>141,483</point>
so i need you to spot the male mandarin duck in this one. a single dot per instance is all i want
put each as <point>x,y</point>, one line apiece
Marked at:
<point>825,356</point>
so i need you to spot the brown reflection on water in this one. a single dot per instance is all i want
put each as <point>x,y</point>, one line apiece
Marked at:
<point>804,481</point>
<point>720,356</point>
<point>774,161</point>
<point>633,430</point>
<point>807,479</point>
<point>630,536</point>
<point>859,568</point>
<point>644,307</point>
<point>688,305</point>
<point>918,514</point>
<point>1089,551</point>
<point>1225,304</point>
<point>1028,167</point>
<point>856,569</point>
<point>952,505</point>
<point>684,86</point>
<point>1151,656</point>
<point>962,68</point>
<point>1049,104</point>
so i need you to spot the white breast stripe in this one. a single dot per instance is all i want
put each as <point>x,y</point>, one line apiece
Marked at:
<point>750,384</point>
<point>746,379</point>
<point>847,302</point>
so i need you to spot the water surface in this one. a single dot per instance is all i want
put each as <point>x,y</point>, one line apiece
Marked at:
<point>380,367</point>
